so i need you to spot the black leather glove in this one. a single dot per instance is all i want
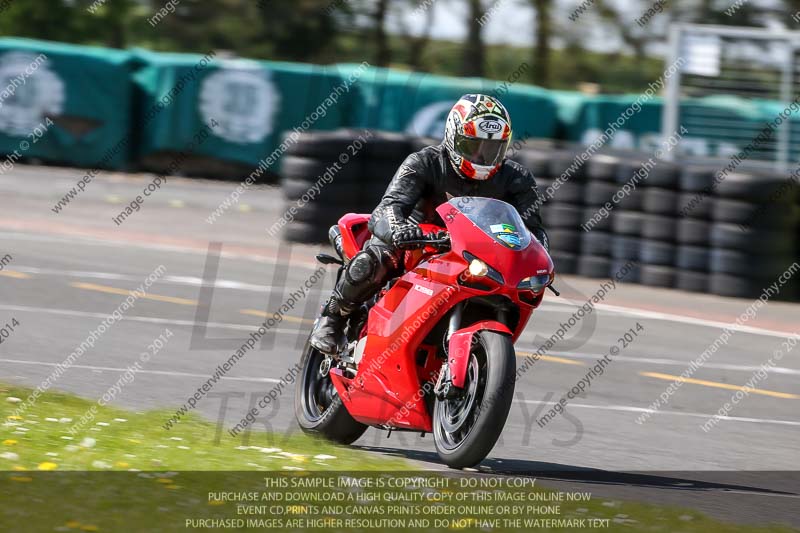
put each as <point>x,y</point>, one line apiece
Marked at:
<point>406,232</point>
<point>541,236</point>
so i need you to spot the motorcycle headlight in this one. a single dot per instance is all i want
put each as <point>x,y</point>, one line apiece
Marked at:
<point>535,283</point>
<point>478,268</point>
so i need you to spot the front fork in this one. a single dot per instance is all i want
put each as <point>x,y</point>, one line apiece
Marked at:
<point>444,388</point>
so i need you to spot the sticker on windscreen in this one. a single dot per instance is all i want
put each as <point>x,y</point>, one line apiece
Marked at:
<point>507,234</point>
<point>512,240</point>
<point>502,228</point>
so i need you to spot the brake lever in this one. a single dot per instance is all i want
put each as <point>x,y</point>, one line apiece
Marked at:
<point>421,243</point>
<point>412,245</point>
<point>555,291</point>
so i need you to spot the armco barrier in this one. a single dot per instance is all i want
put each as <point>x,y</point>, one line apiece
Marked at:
<point>732,239</point>
<point>81,95</point>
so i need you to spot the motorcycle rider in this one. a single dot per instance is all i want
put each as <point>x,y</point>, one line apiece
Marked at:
<point>469,162</point>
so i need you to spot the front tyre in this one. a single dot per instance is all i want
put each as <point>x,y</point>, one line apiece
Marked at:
<point>317,406</point>
<point>465,429</point>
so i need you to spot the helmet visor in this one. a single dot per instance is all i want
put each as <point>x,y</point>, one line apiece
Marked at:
<point>487,152</point>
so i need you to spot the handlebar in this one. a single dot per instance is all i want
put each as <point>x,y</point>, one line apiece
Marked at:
<point>440,243</point>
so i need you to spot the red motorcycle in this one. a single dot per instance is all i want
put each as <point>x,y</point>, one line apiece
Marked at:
<point>433,351</point>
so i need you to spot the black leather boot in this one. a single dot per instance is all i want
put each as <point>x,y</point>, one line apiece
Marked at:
<point>328,333</point>
<point>358,281</point>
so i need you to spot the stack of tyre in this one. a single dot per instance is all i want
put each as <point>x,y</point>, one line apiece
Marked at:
<point>310,202</point>
<point>645,222</point>
<point>753,237</point>
<point>733,238</point>
<point>327,174</point>
<point>613,227</point>
<point>738,235</point>
<point>563,207</point>
<point>693,209</point>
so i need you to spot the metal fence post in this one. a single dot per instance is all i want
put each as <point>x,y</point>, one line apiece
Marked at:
<point>785,132</point>
<point>671,108</point>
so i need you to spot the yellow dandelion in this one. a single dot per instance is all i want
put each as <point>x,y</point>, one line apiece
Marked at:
<point>121,464</point>
<point>47,465</point>
<point>14,417</point>
<point>172,487</point>
<point>165,480</point>
<point>23,479</point>
<point>72,524</point>
<point>9,442</point>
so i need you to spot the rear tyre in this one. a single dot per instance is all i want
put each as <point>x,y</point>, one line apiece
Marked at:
<point>317,406</point>
<point>466,429</point>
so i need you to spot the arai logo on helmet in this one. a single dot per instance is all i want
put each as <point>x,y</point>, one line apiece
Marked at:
<point>490,126</point>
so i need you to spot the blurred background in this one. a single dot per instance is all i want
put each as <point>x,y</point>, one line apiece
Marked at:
<point>219,140</point>
<point>274,92</point>
<point>602,44</point>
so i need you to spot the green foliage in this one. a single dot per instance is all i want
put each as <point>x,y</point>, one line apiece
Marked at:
<point>109,24</point>
<point>325,31</point>
<point>298,29</point>
<point>43,19</point>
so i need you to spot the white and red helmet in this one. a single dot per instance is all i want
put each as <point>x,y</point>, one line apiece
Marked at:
<point>477,135</point>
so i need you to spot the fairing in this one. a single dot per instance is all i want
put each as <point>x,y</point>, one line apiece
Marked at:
<point>386,389</point>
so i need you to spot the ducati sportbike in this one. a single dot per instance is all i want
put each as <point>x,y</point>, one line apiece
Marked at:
<point>433,351</point>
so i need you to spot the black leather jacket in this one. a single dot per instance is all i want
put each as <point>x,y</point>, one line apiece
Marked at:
<point>426,179</point>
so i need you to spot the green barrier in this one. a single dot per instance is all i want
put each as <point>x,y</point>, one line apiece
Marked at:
<point>588,117</point>
<point>706,120</point>
<point>251,103</point>
<point>65,103</point>
<point>771,110</point>
<point>97,107</point>
<point>418,103</point>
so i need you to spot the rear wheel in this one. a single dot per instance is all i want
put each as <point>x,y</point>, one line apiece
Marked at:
<point>317,406</point>
<point>465,429</point>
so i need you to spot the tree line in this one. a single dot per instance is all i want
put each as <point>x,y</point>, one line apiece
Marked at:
<point>399,33</point>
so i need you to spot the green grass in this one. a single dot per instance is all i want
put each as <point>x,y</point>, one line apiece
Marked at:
<point>125,440</point>
<point>88,485</point>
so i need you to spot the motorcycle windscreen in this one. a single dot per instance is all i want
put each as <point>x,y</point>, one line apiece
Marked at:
<point>495,218</point>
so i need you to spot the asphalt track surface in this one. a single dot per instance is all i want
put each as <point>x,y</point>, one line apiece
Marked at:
<point>70,270</point>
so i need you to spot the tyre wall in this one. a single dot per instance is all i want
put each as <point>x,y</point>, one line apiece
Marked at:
<point>687,226</point>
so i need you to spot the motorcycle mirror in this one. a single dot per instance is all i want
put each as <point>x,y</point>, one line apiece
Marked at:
<point>326,259</point>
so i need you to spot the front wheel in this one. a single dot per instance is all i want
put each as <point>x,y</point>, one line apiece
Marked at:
<point>465,429</point>
<point>317,406</point>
